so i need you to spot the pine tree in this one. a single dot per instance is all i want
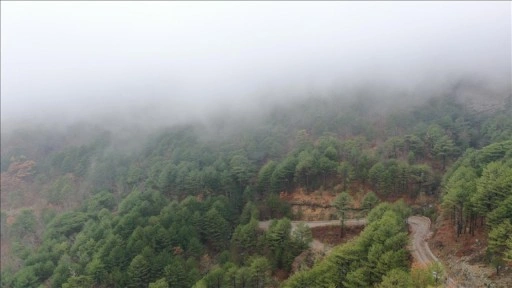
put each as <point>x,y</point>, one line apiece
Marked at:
<point>260,271</point>
<point>302,236</point>
<point>216,229</point>
<point>138,272</point>
<point>175,273</point>
<point>357,278</point>
<point>342,202</point>
<point>396,278</point>
<point>499,237</point>
<point>97,270</point>
<point>160,283</point>
<point>369,201</point>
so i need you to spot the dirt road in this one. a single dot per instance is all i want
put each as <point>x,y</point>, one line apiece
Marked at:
<point>349,222</point>
<point>315,244</point>
<point>420,228</point>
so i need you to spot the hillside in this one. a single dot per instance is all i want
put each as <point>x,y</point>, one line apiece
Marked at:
<point>182,210</point>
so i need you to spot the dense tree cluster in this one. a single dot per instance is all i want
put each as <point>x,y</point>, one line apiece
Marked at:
<point>479,190</point>
<point>151,239</point>
<point>183,210</point>
<point>376,256</point>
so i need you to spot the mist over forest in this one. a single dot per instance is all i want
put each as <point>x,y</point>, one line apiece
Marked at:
<point>165,63</point>
<point>256,144</point>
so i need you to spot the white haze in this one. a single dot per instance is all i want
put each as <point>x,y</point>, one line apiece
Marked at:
<point>166,62</point>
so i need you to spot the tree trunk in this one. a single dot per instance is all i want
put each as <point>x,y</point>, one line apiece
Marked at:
<point>461,219</point>
<point>342,232</point>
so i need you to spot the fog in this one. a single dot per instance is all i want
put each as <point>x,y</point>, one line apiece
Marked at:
<point>169,62</point>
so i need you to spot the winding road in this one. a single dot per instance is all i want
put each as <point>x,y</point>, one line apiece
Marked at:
<point>349,222</point>
<point>420,228</point>
<point>420,232</point>
<point>315,244</point>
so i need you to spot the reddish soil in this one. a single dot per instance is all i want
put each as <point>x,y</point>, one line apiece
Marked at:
<point>445,241</point>
<point>331,234</point>
<point>319,198</point>
<point>465,256</point>
<point>280,275</point>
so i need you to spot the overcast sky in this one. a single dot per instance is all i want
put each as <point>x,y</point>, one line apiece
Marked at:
<point>74,59</point>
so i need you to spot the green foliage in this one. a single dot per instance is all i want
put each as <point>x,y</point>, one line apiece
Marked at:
<point>259,268</point>
<point>278,239</point>
<point>366,261</point>
<point>443,148</point>
<point>480,185</point>
<point>160,283</point>
<point>66,224</point>
<point>26,277</point>
<point>501,213</point>
<point>302,236</point>
<point>103,199</point>
<point>499,240</point>
<point>342,202</point>
<point>459,190</point>
<point>508,252</point>
<point>392,176</point>
<point>176,274</point>
<point>305,168</point>
<point>97,270</point>
<point>493,186</point>
<point>24,224</point>
<point>63,271</point>
<point>245,238</point>
<point>431,276</point>
<point>396,278</point>
<point>216,229</point>
<point>165,215</point>
<point>356,278</point>
<point>241,168</point>
<point>370,200</point>
<point>138,272</point>
<point>274,207</point>
<point>47,215</point>
<point>249,212</point>
<point>345,170</point>
<point>215,278</point>
<point>79,282</point>
<point>60,190</point>
<point>283,175</point>
<point>74,160</point>
<point>498,128</point>
<point>265,177</point>
<point>3,225</point>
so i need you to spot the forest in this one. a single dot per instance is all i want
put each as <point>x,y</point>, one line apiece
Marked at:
<point>181,207</point>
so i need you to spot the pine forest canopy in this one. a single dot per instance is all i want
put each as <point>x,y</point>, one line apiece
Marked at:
<point>182,210</point>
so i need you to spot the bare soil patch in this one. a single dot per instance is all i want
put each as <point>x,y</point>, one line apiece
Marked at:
<point>330,235</point>
<point>465,257</point>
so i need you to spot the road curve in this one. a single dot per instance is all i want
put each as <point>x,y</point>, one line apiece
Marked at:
<point>349,222</point>
<point>419,226</point>
<point>315,244</point>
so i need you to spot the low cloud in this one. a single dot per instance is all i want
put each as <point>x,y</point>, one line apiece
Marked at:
<point>171,62</point>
